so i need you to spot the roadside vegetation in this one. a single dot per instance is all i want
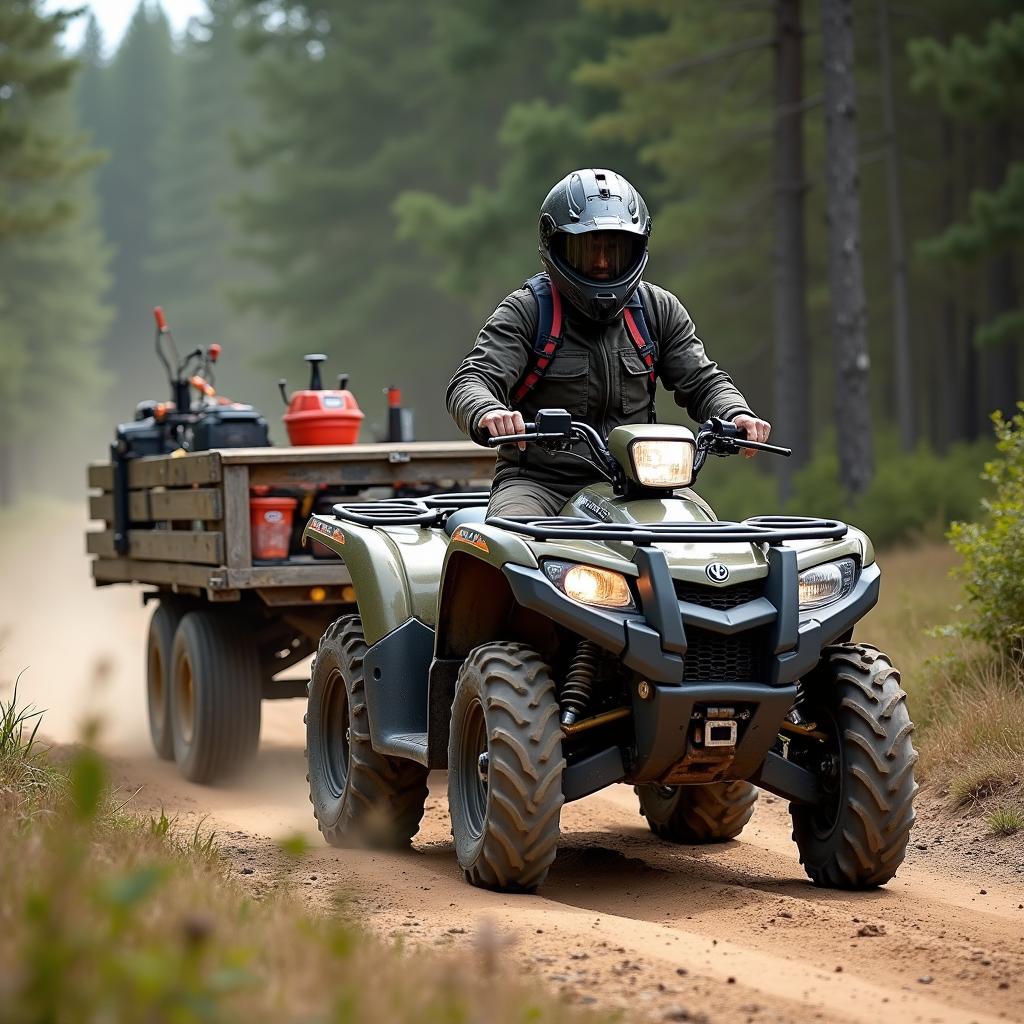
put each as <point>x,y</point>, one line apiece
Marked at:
<point>956,628</point>
<point>105,916</point>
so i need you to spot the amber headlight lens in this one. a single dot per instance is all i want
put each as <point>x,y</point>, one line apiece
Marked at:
<point>590,585</point>
<point>826,583</point>
<point>662,463</point>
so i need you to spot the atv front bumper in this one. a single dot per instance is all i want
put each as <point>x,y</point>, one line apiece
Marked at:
<point>682,679</point>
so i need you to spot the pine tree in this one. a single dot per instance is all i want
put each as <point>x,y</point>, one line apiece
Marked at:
<point>52,259</point>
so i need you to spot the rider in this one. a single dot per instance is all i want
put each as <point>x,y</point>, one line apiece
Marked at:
<point>594,229</point>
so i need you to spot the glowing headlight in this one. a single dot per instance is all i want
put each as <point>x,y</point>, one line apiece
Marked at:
<point>823,584</point>
<point>663,463</point>
<point>590,585</point>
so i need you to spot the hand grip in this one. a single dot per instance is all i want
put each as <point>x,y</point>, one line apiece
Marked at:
<point>161,320</point>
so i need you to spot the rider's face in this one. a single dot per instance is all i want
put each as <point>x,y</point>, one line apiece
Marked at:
<point>601,255</point>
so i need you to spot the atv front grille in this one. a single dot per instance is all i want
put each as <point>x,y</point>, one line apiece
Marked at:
<point>714,658</point>
<point>720,598</point>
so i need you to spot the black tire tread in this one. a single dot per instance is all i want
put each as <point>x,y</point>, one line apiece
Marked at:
<point>163,624</point>
<point>877,811</point>
<point>384,797</point>
<point>522,822</point>
<point>712,813</point>
<point>227,698</point>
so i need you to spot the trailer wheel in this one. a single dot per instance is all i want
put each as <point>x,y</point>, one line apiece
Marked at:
<point>359,797</point>
<point>216,695</point>
<point>159,647</point>
<point>856,837</point>
<point>505,768</point>
<point>711,813</point>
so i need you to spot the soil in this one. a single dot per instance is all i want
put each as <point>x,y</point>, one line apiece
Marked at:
<point>730,932</point>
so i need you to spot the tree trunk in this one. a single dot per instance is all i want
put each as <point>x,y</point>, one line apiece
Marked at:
<point>6,474</point>
<point>905,410</point>
<point>846,277</point>
<point>792,359</point>
<point>1001,360</point>
<point>947,412</point>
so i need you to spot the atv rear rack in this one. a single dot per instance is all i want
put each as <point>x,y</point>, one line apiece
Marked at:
<point>429,511</point>
<point>756,530</point>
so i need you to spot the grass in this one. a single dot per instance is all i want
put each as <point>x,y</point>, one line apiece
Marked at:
<point>1006,821</point>
<point>968,706</point>
<point>104,916</point>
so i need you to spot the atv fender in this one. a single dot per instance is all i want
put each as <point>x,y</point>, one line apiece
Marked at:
<point>394,571</point>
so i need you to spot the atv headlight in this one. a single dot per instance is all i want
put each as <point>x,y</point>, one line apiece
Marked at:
<point>663,463</point>
<point>823,584</point>
<point>589,584</point>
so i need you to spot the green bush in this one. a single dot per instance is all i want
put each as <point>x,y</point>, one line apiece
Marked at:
<point>993,549</point>
<point>914,495</point>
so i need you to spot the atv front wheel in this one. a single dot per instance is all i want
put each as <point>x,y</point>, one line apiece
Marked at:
<point>505,768</point>
<point>359,797</point>
<point>711,813</point>
<point>856,837</point>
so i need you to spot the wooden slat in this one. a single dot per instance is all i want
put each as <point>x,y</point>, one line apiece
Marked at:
<point>127,570</point>
<point>307,575</point>
<point>369,473</point>
<point>165,471</point>
<point>205,547</point>
<point>415,450</point>
<point>237,526</point>
<point>147,506</point>
<point>101,476</point>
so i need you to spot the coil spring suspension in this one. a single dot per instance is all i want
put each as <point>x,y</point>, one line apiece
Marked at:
<point>579,682</point>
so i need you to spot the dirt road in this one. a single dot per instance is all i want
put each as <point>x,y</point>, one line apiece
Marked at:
<point>722,933</point>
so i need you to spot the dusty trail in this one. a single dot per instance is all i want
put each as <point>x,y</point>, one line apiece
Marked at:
<point>724,933</point>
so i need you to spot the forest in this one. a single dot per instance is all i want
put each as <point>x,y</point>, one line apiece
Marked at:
<point>837,191</point>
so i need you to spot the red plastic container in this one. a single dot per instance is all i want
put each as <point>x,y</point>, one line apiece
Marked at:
<point>271,520</point>
<point>323,417</point>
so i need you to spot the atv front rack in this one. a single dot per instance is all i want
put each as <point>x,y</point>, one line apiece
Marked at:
<point>430,511</point>
<point>756,530</point>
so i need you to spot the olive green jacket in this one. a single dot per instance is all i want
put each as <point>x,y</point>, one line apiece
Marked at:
<point>597,375</point>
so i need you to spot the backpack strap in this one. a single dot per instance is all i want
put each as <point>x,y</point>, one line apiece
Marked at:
<point>548,337</point>
<point>640,334</point>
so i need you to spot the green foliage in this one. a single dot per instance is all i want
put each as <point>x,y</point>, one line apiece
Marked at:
<point>1006,821</point>
<point>914,495</point>
<point>993,549</point>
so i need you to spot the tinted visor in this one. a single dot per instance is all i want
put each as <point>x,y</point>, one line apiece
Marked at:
<point>602,255</point>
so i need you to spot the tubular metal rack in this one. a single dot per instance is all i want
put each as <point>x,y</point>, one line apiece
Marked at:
<point>430,511</point>
<point>758,529</point>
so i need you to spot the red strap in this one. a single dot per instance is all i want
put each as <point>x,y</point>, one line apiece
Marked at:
<point>556,312</point>
<point>638,340</point>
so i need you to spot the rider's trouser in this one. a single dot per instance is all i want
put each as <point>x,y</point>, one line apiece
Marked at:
<point>521,496</point>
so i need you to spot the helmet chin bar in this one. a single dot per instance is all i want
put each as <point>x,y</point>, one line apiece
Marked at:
<point>600,301</point>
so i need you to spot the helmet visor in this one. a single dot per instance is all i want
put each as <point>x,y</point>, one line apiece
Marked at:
<point>602,255</point>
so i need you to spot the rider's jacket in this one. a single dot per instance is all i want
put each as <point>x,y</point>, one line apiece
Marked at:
<point>597,375</point>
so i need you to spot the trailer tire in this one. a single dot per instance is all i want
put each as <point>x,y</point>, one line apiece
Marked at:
<point>711,813</point>
<point>359,797</point>
<point>216,695</point>
<point>159,650</point>
<point>505,812</point>
<point>858,838</point>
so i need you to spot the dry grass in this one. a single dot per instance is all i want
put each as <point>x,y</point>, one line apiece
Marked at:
<point>968,706</point>
<point>104,917</point>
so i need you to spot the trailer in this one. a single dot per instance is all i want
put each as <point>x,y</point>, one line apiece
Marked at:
<point>227,626</point>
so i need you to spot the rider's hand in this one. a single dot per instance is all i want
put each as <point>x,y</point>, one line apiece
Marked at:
<point>503,422</point>
<point>755,429</point>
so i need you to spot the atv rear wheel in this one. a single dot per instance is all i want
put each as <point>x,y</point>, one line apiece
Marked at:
<point>216,695</point>
<point>359,797</point>
<point>505,768</point>
<point>856,837</point>
<point>711,813</point>
<point>159,646</point>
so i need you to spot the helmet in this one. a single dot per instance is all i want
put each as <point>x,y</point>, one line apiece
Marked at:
<point>594,228</point>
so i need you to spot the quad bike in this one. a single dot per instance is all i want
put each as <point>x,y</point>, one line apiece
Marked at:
<point>634,638</point>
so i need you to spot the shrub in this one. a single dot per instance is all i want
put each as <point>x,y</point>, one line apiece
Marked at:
<point>993,549</point>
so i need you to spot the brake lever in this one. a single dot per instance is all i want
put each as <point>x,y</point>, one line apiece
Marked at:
<point>497,442</point>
